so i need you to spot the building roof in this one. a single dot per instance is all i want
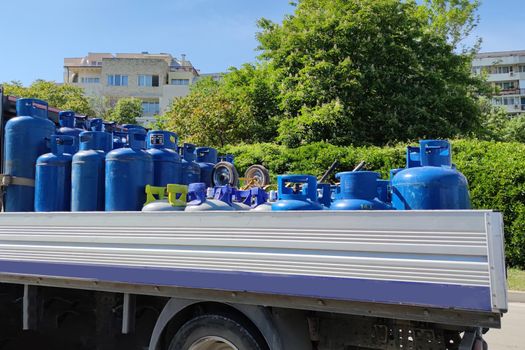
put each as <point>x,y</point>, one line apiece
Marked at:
<point>94,59</point>
<point>500,54</point>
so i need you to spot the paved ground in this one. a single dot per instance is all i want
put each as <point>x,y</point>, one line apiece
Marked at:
<point>511,336</point>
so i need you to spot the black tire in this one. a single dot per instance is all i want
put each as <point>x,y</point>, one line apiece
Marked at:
<point>260,173</point>
<point>215,327</point>
<point>224,173</point>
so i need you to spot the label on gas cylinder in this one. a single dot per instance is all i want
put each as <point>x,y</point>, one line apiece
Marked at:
<point>156,140</point>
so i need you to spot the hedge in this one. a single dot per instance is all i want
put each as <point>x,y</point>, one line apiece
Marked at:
<point>495,171</point>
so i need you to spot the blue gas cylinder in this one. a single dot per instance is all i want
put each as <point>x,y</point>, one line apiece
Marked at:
<point>26,139</point>
<point>206,159</point>
<point>167,166</point>
<point>133,126</point>
<point>96,124</point>
<point>109,127</point>
<point>293,198</point>
<point>81,122</point>
<point>324,193</point>
<point>191,172</point>
<point>120,139</point>
<point>358,191</point>
<point>201,198</point>
<point>67,127</point>
<point>128,171</point>
<point>383,191</point>
<point>53,177</point>
<point>88,171</point>
<point>430,180</point>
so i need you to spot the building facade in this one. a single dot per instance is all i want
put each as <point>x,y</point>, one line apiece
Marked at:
<point>506,72</point>
<point>156,79</point>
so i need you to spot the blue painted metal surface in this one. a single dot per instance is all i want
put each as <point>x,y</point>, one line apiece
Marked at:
<point>430,180</point>
<point>128,171</point>
<point>133,126</point>
<point>67,127</point>
<point>109,127</point>
<point>191,172</point>
<point>358,191</point>
<point>119,136</point>
<point>384,191</point>
<point>81,122</point>
<point>96,124</point>
<point>120,139</point>
<point>291,198</point>
<point>447,296</point>
<point>88,171</point>
<point>25,140</point>
<point>206,159</point>
<point>324,194</point>
<point>200,199</point>
<point>53,177</point>
<point>167,165</point>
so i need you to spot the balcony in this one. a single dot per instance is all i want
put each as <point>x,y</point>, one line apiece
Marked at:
<point>494,77</point>
<point>516,91</point>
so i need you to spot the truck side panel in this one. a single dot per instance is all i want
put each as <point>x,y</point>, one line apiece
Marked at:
<point>432,259</point>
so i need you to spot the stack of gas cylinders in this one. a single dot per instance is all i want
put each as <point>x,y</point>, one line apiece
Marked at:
<point>92,165</point>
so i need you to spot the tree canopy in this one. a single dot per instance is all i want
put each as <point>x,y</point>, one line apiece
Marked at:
<point>345,72</point>
<point>372,71</point>
<point>126,111</point>
<point>242,107</point>
<point>62,96</point>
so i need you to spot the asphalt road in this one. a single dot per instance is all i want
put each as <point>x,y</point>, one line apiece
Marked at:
<point>511,336</point>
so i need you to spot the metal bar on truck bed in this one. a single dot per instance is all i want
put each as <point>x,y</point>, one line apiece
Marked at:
<point>128,314</point>
<point>30,308</point>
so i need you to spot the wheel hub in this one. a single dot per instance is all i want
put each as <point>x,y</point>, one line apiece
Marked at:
<point>212,343</point>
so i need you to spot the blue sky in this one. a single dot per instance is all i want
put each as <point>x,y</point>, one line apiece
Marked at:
<point>215,34</point>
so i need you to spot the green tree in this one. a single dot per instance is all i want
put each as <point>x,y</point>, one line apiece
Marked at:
<point>61,96</point>
<point>255,90</point>
<point>372,71</point>
<point>494,122</point>
<point>515,129</point>
<point>241,107</point>
<point>101,106</point>
<point>127,110</point>
<point>207,116</point>
<point>454,19</point>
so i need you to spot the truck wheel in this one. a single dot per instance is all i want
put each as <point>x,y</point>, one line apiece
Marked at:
<point>215,332</point>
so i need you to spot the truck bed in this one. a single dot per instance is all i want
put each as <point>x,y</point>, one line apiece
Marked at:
<point>423,264</point>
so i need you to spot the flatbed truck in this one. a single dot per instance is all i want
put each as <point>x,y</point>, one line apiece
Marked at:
<point>312,280</point>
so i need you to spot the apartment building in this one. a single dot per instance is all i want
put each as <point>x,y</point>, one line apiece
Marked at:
<point>506,72</point>
<point>154,78</point>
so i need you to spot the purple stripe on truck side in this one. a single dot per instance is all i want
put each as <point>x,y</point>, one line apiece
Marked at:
<point>391,292</point>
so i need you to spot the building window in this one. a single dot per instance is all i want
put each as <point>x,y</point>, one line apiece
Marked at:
<point>148,80</point>
<point>117,80</point>
<point>502,70</point>
<point>507,85</point>
<point>476,70</point>
<point>521,69</point>
<point>180,82</point>
<point>90,80</point>
<point>150,108</point>
<point>509,101</point>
